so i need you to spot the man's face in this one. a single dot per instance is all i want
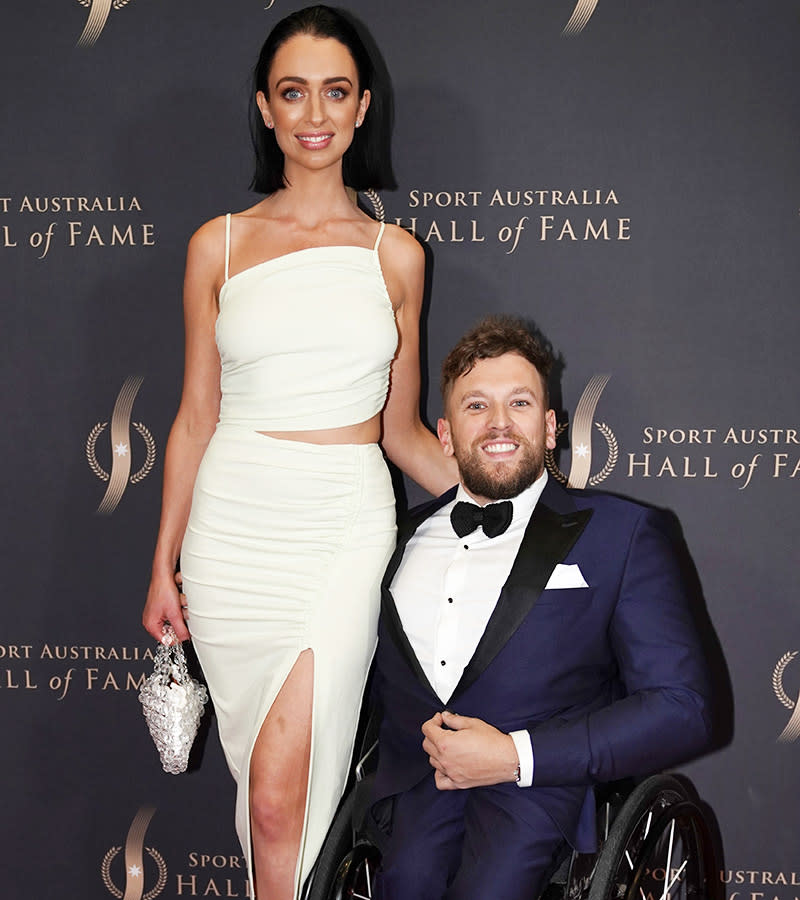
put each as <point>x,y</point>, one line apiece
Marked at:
<point>497,427</point>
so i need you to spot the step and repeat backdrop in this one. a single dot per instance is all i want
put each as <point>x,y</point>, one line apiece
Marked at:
<point>625,174</point>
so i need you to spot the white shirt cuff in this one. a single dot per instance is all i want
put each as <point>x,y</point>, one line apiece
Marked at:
<point>522,741</point>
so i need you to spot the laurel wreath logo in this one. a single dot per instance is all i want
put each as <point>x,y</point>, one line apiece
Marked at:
<point>608,468</point>
<point>100,472</point>
<point>777,679</point>
<point>377,204</point>
<point>105,871</point>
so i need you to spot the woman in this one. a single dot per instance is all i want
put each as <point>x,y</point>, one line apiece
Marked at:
<point>296,311</point>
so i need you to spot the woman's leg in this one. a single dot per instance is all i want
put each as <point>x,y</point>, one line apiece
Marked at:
<point>279,782</point>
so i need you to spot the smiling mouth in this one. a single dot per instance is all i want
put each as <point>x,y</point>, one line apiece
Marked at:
<point>500,447</point>
<point>314,141</point>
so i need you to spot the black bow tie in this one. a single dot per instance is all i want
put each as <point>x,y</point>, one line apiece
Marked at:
<point>495,518</point>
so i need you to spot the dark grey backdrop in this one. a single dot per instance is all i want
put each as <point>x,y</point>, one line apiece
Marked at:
<point>679,121</point>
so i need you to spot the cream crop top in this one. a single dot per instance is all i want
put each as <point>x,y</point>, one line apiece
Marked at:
<point>306,339</point>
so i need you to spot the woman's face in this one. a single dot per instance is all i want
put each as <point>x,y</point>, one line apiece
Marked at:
<point>313,102</point>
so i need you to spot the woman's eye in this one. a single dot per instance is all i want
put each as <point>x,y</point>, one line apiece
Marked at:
<point>292,94</point>
<point>337,93</point>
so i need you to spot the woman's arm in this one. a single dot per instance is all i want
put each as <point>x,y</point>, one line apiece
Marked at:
<point>194,423</point>
<point>407,442</point>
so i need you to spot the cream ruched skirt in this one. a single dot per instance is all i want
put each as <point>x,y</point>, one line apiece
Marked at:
<point>284,551</point>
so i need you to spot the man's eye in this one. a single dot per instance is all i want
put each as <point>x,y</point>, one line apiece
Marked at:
<point>476,404</point>
<point>520,403</point>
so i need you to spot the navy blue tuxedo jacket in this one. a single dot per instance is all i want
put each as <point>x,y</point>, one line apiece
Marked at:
<point>609,680</point>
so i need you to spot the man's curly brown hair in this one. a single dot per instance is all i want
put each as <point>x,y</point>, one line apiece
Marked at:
<point>492,337</point>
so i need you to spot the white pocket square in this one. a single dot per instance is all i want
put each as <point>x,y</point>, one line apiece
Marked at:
<point>566,577</point>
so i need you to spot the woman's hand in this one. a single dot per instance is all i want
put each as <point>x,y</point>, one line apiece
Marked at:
<point>165,604</point>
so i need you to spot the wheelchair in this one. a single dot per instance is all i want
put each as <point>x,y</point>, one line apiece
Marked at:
<point>655,843</point>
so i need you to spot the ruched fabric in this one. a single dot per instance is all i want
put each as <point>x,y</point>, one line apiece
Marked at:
<point>287,541</point>
<point>286,545</point>
<point>306,340</point>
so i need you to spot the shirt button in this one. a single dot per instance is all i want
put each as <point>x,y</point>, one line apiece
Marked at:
<point>444,663</point>
<point>466,546</point>
<point>449,599</point>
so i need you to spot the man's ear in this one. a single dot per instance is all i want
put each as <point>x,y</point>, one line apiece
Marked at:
<point>550,429</point>
<point>443,433</point>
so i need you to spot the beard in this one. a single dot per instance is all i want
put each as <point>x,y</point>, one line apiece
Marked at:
<point>501,480</point>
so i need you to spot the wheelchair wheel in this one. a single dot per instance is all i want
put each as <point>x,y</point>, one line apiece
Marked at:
<point>355,879</point>
<point>338,841</point>
<point>582,866</point>
<point>658,848</point>
<point>674,858</point>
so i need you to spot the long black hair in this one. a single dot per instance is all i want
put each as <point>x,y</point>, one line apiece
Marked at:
<point>367,161</point>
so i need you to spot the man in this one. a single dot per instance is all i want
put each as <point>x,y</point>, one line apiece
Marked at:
<point>523,660</point>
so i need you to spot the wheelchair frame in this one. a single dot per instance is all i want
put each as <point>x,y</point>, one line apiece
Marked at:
<point>654,844</point>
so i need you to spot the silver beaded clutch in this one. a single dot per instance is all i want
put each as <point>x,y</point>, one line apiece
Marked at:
<point>173,704</point>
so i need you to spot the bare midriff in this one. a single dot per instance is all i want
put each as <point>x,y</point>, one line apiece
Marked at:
<point>368,432</point>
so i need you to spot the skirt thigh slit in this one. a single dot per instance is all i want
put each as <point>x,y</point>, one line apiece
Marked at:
<point>284,551</point>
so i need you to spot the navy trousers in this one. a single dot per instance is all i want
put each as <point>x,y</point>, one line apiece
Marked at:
<point>467,845</point>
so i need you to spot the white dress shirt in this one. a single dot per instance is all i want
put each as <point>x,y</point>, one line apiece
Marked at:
<point>447,587</point>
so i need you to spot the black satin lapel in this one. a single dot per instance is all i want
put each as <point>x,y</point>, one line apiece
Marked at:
<point>394,626</point>
<point>394,562</point>
<point>548,539</point>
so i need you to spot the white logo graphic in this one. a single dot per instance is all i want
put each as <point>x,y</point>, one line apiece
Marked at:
<point>98,16</point>
<point>579,18</point>
<point>792,730</point>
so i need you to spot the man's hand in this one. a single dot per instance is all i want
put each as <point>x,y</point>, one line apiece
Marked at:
<point>468,752</point>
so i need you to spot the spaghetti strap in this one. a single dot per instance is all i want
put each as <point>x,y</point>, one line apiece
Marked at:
<point>227,244</point>
<point>380,235</point>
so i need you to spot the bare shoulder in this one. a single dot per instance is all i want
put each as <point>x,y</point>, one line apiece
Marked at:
<point>260,211</point>
<point>205,258</point>
<point>398,241</point>
<point>210,236</point>
<point>209,239</point>
<point>403,264</point>
<point>400,252</point>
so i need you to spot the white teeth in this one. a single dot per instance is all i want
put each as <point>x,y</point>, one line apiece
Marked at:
<point>500,448</point>
<point>316,139</point>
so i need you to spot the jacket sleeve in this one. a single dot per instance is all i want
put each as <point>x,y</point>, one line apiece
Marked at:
<point>663,718</point>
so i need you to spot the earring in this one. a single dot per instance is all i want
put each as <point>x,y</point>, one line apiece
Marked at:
<point>358,123</point>
<point>269,124</point>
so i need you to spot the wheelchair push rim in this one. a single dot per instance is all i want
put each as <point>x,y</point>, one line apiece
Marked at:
<point>355,878</point>
<point>659,848</point>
